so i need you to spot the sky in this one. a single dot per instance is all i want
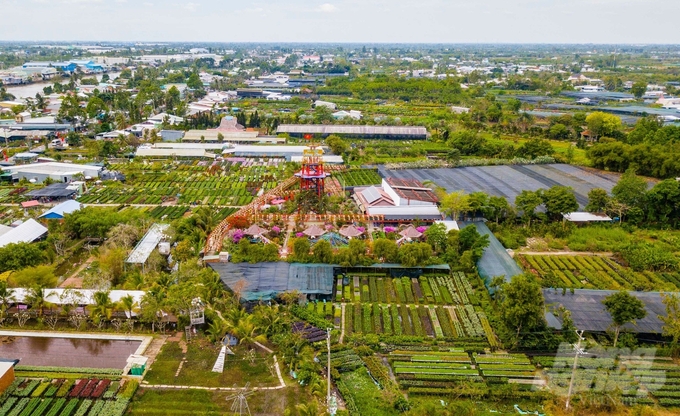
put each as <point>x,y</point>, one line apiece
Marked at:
<point>362,21</point>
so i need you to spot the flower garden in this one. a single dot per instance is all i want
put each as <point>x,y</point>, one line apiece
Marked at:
<point>107,396</point>
<point>429,306</point>
<point>224,183</point>
<point>595,272</point>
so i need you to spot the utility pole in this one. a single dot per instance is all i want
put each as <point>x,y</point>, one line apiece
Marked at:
<point>573,369</point>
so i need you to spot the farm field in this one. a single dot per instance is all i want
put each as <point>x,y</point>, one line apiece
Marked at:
<point>640,380</point>
<point>595,272</point>
<point>66,397</point>
<point>359,177</point>
<point>438,373</point>
<point>509,181</point>
<point>429,306</point>
<point>225,183</point>
<point>425,290</point>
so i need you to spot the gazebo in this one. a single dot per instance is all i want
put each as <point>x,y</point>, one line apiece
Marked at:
<point>314,231</point>
<point>410,232</point>
<point>350,231</point>
<point>255,230</point>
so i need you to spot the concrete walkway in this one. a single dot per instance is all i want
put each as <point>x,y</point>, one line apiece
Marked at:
<point>342,323</point>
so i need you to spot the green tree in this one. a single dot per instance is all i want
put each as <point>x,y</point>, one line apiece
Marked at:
<point>95,105</point>
<point>639,89</point>
<point>20,255</point>
<point>301,249</point>
<point>623,308</point>
<point>414,254</point>
<point>128,304</point>
<point>603,124</point>
<point>38,276</point>
<point>598,199</point>
<point>559,132</point>
<point>498,208</point>
<point>194,82</point>
<point>630,189</point>
<point>455,203</point>
<point>559,200</point>
<point>527,202</point>
<point>336,144</point>
<point>435,236</point>
<point>70,109</point>
<point>535,148</point>
<point>102,308</point>
<point>322,252</point>
<point>386,250</point>
<point>37,298</point>
<point>7,298</point>
<point>522,307</point>
<point>663,202</point>
<point>671,320</point>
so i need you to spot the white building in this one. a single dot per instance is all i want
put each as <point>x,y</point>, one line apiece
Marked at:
<point>399,200</point>
<point>60,172</point>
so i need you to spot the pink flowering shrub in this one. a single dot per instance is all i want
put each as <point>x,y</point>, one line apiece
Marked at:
<point>421,229</point>
<point>389,229</point>
<point>276,229</point>
<point>237,236</point>
<point>298,235</point>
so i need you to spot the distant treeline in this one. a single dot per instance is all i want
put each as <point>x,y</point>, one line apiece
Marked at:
<point>406,89</point>
<point>650,148</point>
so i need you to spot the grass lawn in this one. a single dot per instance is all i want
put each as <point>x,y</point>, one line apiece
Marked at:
<point>367,396</point>
<point>201,402</point>
<point>200,358</point>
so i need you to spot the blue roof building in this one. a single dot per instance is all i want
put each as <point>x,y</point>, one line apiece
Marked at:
<point>57,212</point>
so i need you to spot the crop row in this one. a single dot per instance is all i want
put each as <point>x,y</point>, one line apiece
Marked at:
<point>595,272</point>
<point>440,290</point>
<point>434,321</point>
<point>359,177</point>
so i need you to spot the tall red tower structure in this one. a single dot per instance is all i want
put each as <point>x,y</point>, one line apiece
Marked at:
<point>312,175</point>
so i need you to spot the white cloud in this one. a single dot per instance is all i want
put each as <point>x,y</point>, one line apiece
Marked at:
<point>327,8</point>
<point>191,6</point>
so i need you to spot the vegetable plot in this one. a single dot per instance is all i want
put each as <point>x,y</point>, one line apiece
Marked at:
<point>595,272</point>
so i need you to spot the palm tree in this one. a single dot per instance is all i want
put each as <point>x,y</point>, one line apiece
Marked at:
<point>308,409</point>
<point>103,307</point>
<point>269,318</point>
<point>6,298</point>
<point>217,329</point>
<point>246,332</point>
<point>37,299</point>
<point>128,304</point>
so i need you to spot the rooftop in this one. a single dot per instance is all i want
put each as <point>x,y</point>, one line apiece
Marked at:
<point>27,232</point>
<point>147,244</point>
<point>412,189</point>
